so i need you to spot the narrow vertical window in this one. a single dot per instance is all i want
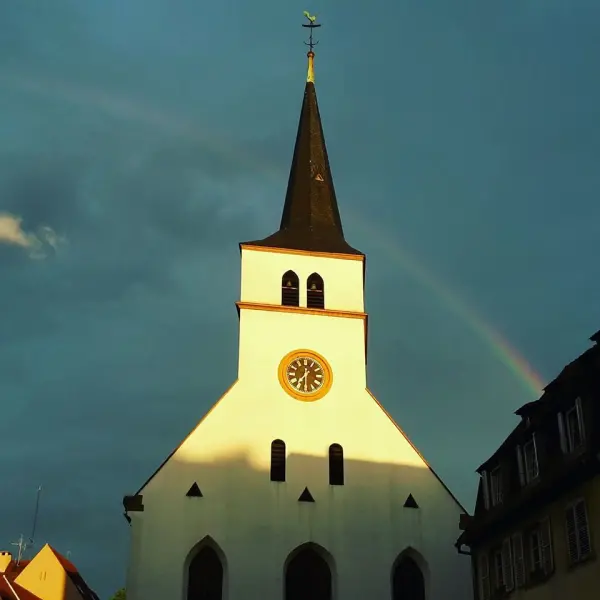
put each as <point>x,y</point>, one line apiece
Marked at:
<point>277,460</point>
<point>315,292</point>
<point>336,465</point>
<point>518,559</point>
<point>290,289</point>
<point>578,532</point>
<point>507,565</point>
<point>484,577</point>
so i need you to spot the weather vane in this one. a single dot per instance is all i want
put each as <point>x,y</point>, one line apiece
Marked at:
<point>311,25</point>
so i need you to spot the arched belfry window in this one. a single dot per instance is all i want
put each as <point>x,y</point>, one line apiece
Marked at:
<point>290,289</point>
<point>205,575</point>
<point>277,460</point>
<point>336,465</point>
<point>315,292</point>
<point>408,582</point>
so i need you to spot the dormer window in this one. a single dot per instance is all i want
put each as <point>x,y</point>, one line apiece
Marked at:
<point>571,428</point>
<point>527,460</point>
<point>496,486</point>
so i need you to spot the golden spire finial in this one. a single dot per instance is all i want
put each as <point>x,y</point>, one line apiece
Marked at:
<point>310,77</point>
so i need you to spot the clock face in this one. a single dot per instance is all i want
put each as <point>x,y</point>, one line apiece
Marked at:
<point>305,375</point>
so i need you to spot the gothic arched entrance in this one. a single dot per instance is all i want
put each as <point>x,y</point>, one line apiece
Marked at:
<point>408,582</point>
<point>308,576</point>
<point>205,576</point>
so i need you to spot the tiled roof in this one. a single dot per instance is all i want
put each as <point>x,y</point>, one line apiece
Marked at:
<point>8,588</point>
<point>82,587</point>
<point>13,570</point>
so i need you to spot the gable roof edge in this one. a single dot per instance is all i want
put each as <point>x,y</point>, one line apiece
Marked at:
<point>164,462</point>
<point>387,414</point>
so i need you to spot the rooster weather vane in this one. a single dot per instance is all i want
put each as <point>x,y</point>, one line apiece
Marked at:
<point>311,25</point>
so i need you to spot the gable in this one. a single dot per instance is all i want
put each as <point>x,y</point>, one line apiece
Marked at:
<point>360,424</point>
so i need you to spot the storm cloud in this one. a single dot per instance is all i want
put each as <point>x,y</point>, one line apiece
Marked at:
<point>142,141</point>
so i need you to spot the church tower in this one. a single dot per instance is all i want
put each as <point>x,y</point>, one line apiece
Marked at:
<point>297,484</point>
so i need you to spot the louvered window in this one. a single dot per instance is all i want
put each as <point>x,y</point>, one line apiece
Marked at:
<point>498,570</point>
<point>290,289</point>
<point>315,292</point>
<point>578,532</point>
<point>507,565</point>
<point>539,544</point>
<point>518,560</point>
<point>547,553</point>
<point>277,460</point>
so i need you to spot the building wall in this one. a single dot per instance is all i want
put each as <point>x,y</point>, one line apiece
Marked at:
<point>580,581</point>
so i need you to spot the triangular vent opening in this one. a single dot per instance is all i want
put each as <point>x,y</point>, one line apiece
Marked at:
<point>410,502</point>
<point>194,491</point>
<point>306,496</point>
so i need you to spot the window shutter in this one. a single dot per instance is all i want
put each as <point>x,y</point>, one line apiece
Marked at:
<point>546,543</point>
<point>484,577</point>
<point>561,432</point>
<point>571,534</point>
<point>583,531</point>
<point>486,489</point>
<point>580,419</point>
<point>518,559</point>
<point>536,469</point>
<point>507,567</point>
<point>521,466</point>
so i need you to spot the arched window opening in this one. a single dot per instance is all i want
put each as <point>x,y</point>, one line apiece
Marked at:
<point>290,289</point>
<point>308,576</point>
<point>315,292</point>
<point>205,576</point>
<point>277,460</point>
<point>408,582</point>
<point>336,465</point>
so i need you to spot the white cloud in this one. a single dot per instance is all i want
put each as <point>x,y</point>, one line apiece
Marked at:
<point>36,243</point>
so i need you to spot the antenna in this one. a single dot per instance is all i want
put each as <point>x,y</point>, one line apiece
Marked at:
<point>21,544</point>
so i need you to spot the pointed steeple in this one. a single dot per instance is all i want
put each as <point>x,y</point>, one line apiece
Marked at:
<point>311,218</point>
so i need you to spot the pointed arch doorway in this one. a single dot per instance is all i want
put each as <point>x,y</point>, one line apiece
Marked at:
<point>408,582</point>
<point>205,575</point>
<point>308,575</point>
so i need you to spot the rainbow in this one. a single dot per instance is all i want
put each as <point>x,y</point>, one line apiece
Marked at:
<point>136,112</point>
<point>495,342</point>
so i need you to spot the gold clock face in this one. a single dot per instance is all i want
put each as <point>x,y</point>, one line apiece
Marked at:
<point>305,375</point>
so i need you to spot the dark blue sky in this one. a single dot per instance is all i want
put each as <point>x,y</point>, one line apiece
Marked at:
<point>153,136</point>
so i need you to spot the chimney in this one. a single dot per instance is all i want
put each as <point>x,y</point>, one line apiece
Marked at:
<point>5,560</point>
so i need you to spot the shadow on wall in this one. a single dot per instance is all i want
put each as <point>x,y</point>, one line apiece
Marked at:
<point>317,516</point>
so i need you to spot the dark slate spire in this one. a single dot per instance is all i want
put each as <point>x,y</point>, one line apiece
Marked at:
<point>311,218</point>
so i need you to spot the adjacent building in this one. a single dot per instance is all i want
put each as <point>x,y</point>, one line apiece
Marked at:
<point>297,483</point>
<point>535,533</point>
<point>47,576</point>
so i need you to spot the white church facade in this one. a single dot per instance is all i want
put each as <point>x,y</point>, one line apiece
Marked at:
<point>297,484</point>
